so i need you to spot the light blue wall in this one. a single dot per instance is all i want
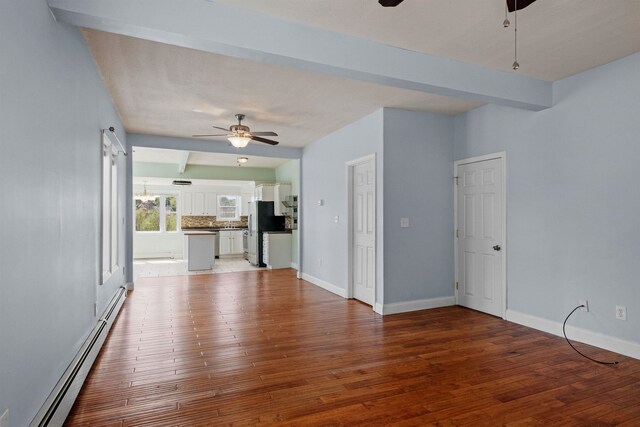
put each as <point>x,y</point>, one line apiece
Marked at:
<point>418,171</point>
<point>324,176</point>
<point>52,107</point>
<point>572,199</point>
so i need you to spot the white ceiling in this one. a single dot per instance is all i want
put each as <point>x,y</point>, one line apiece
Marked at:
<point>157,155</point>
<point>556,38</point>
<point>156,87</point>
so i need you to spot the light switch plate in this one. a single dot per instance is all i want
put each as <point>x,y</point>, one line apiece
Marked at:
<point>404,222</point>
<point>621,312</point>
<point>336,219</point>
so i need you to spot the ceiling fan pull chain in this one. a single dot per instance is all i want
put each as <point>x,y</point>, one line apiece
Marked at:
<point>515,65</point>
<point>506,21</point>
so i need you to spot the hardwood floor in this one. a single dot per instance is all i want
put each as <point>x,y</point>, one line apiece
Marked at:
<point>265,348</point>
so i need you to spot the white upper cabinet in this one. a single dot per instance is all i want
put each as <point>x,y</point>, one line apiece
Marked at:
<point>187,203</point>
<point>246,199</point>
<point>199,202</point>
<point>264,192</point>
<point>211,199</point>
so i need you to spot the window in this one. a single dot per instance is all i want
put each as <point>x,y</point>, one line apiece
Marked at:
<point>156,213</point>
<point>109,208</point>
<point>228,208</point>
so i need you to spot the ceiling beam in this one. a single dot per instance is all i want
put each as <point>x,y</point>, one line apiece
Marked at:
<point>207,146</point>
<point>232,31</point>
<point>182,161</point>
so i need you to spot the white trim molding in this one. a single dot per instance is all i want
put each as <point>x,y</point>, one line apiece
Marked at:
<point>421,304</point>
<point>295,266</point>
<point>627,348</point>
<point>325,285</point>
<point>378,308</point>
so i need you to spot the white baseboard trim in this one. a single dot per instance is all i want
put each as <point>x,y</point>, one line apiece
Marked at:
<point>378,308</point>
<point>627,348</point>
<point>422,304</point>
<point>325,285</point>
<point>294,266</point>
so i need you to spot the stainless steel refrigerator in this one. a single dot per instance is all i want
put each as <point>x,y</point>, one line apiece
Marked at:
<point>261,219</point>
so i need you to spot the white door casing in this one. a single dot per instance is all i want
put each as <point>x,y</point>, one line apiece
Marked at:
<point>481,234</point>
<point>362,229</point>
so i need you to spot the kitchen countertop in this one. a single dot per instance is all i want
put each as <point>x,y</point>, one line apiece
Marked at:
<point>198,233</point>
<point>212,229</point>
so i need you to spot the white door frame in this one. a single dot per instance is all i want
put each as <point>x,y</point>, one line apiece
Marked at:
<point>350,166</point>
<point>502,156</point>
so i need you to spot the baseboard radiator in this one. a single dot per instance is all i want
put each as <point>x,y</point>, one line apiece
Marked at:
<point>57,406</point>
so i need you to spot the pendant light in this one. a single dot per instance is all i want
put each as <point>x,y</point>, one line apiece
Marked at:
<point>144,196</point>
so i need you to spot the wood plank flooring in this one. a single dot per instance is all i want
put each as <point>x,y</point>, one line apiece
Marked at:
<point>263,348</point>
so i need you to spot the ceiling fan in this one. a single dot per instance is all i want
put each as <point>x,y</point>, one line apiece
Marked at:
<point>511,4</point>
<point>239,135</point>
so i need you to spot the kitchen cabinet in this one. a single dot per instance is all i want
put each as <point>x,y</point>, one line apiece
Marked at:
<point>246,199</point>
<point>187,203</point>
<point>211,203</point>
<point>231,242</point>
<point>199,203</point>
<point>200,250</point>
<point>280,194</point>
<point>276,249</point>
<point>264,192</point>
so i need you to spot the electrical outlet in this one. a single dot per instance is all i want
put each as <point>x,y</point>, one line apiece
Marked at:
<point>404,222</point>
<point>4,419</point>
<point>621,312</point>
<point>585,304</point>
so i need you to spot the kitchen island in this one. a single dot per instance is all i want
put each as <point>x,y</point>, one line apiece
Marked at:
<point>200,249</point>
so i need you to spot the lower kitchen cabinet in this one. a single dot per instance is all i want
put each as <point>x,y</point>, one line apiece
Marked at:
<point>276,249</point>
<point>231,242</point>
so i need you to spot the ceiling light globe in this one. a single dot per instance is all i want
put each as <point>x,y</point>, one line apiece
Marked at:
<point>239,141</point>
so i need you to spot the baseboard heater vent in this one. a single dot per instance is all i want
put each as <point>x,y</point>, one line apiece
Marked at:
<point>57,406</point>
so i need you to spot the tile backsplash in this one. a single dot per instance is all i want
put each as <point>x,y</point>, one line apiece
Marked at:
<point>187,222</point>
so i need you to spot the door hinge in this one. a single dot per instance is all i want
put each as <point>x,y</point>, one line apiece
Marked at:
<point>457,233</point>
<point>457,285</point>
<point>455,178</point>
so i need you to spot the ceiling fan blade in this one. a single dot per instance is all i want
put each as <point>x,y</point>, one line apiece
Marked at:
<point>390,3</point>
<point>218,127</point>
<point>265,140</point>
<point>197,136</point>
<point>264,133</point>
<point>511,4</point>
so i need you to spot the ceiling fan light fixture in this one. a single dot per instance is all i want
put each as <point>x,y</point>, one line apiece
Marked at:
<point>239,141</point>
<point>243,159</point>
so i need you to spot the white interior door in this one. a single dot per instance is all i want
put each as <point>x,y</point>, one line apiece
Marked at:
<point>480,225</point>
<point>364,231</point>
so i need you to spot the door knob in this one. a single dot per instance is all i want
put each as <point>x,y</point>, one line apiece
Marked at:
<point>497,248</point>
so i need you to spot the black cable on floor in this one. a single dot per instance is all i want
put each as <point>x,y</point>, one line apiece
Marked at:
<point>577,351</point>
